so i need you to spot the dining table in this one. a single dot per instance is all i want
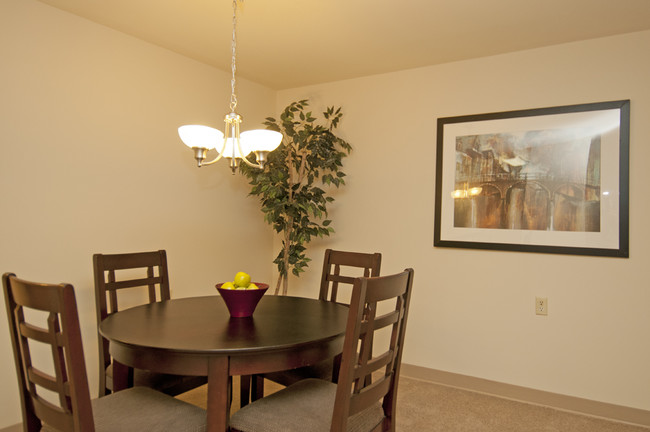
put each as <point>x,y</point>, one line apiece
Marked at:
<point>197,336</point>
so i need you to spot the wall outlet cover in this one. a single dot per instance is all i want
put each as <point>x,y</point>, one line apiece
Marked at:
<point>541,306</point>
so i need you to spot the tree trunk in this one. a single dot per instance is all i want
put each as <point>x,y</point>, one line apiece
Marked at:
<point>285,285</point>
<point>277,285</point>
<point>285,258</point>
<point>284,279</point>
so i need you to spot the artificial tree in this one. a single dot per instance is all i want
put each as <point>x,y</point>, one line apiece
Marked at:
<point>309,156</point>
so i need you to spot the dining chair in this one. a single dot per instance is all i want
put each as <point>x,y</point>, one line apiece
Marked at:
<point>352,403</point>
<point>117,273</point>
<point>339,269</point>
<point>51,371</point>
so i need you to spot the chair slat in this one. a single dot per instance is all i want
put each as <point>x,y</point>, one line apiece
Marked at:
<point>386,319</point>
<point>52,414</point>
<point>42,379</point>
<point>132,283</point>
<point>152,286</point>
<point>374,364</point>
<point>125,261</point>
<point>383,291</point>
<point>33,332</point>
<point>355,259</point>
<point>380,322</point>
<point>339,278</point>
<point>369,395</point>
<point>40,298</point>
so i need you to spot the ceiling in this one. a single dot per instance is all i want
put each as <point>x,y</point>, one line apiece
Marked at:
<point>284,44</point>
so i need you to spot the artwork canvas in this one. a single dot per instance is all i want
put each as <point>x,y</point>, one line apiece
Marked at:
<point>542,180</point>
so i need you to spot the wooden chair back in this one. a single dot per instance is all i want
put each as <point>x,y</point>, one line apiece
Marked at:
<point>370,298</point>
<point>337,269</point>
<point>333,263</point>
<point>61,400</point>
<point>109,281</point>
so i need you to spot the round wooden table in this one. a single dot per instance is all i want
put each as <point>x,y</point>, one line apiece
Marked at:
<point>197,336</point>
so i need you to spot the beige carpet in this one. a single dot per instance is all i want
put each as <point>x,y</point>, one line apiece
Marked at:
<point>425,406</point>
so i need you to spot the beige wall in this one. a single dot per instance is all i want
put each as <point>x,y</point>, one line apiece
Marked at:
<point>473,310</point>
<point>90,161</point>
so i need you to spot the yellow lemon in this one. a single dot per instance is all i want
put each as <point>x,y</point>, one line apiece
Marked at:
<point>228,285</point>
<point>242,279</point>
<point>252,286</point>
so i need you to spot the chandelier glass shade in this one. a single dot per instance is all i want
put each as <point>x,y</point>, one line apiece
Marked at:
<point>231,144</point>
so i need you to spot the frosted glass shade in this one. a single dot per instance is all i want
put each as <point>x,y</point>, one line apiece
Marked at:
<point>197,136</point>
<point>261,139</point>
<point>228,150</point>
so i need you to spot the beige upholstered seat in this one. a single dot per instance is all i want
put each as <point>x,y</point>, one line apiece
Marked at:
<point>141,409</point>
<point>353,404</point>
<point>60,400</point>
<point>304,406</point>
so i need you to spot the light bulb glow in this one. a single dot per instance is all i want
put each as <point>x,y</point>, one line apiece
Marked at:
<point>459,193</point>
<point>261,139</point>
<point>466,193</point>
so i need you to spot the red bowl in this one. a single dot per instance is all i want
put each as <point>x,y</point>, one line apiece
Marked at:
<point>242,303</point>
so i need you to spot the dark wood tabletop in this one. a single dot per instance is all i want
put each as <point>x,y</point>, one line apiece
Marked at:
<point>197,336</point>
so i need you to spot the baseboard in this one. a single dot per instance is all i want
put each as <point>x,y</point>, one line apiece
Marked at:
<point>15,428</point>
<point>554,400</point>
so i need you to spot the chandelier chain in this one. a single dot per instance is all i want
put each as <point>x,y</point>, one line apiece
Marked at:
<point>233,96</point>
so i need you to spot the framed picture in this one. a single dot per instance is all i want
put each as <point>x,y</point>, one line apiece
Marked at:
<point>551,180</point>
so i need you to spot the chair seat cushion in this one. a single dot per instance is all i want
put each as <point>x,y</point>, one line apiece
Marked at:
<point>307,405</point>
<point>322,370</point>
<point>141,409</point>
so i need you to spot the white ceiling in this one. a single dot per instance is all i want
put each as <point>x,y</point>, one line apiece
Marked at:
<point>284,44</point>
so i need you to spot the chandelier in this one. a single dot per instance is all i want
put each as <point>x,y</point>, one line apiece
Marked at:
<point>230,144</point>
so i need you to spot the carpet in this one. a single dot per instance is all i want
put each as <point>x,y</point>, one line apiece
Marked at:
<point>430,407</point>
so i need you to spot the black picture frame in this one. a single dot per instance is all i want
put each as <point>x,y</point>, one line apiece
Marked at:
<point>549,180</point>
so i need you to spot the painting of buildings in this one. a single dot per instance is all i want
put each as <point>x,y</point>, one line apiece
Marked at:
<point>531,180</point>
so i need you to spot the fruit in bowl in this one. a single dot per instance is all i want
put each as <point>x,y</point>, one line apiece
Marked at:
<point>241,295</point>
<point>242,281</point>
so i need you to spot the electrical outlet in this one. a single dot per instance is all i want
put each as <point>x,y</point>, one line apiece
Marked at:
<point>541,305</point>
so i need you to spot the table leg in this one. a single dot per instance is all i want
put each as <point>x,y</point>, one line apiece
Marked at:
<point>122,376</point>
<point>244,390</point>
<point>218,391</point>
